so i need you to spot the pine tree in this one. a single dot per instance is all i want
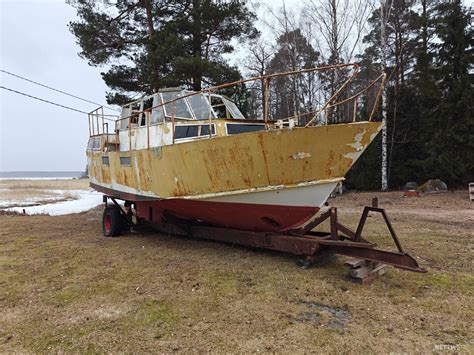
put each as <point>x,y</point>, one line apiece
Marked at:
<point>150,44</point>
<point>451,145</point>
<point>291,95</point>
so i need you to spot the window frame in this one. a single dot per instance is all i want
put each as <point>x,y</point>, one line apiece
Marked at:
<point>193,138</point>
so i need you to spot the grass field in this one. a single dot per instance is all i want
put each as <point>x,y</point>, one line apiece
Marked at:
<point>64,287</point>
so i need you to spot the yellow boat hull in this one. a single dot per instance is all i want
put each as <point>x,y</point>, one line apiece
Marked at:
<point>239,164</point>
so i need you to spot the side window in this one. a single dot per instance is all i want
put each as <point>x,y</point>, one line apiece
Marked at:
<point>237,128</point>
<point>218,106</point>
<point>193,131</point>
<point>126,112</point>
<point>94,143</point>
<point>125,161</point>
<point>135,113</point>
<point>146,114</point>
<point>157,113</point>
<point>233,109</point>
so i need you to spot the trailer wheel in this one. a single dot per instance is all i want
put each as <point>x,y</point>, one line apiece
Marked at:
<point>112,222</point>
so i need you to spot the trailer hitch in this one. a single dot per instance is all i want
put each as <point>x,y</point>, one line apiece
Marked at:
<point>346,242</point>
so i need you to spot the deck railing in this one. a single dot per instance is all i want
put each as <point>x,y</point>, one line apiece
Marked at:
<point>334,102</point>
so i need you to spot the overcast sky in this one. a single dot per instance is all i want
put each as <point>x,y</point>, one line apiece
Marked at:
<point>36,43</point>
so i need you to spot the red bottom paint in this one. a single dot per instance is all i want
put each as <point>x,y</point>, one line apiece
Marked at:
<point>245,216</point>
<point>250,217</point>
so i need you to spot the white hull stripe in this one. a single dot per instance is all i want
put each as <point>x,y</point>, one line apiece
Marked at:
<point>303,196</point>
<point>309,194</point>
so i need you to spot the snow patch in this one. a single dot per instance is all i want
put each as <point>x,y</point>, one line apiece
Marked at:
<point>85,201</point>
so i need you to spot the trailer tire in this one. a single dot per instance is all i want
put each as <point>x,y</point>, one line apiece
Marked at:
<point>112,221</point>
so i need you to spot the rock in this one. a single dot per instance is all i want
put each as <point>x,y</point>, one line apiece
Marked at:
<point>433,185</point>
<point>410,186</point>
<point>338,190</point>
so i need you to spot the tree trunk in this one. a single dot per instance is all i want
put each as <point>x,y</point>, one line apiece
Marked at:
<point>383,22</point>
<point>149,19</point>
<point>197,50</point>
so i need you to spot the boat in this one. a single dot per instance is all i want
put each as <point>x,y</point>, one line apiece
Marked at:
<point>194,155</point>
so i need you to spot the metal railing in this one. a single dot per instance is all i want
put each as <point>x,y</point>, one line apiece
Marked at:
<point>97,116</point>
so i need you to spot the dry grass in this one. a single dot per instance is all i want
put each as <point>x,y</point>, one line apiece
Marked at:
<point>58,184</point>
<point>25,194</point>
<point>64,287</point>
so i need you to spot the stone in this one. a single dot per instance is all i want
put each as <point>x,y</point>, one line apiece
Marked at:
<point>410,186</point>
<point>433,185</point>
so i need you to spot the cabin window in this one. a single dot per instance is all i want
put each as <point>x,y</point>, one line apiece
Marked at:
<point>179,107</point>
<point>136,108</point>
<point>233,109</point>
<point>93,143</point>
<point>200,106</point>
<point>125,161</point>
<point>146,114</point>
<point>130,113</point>
<point>126,112</point>
<point>193,131</point>
<point>157,113</point>
<point>237,128</point>
<point>105,160</point>
<point>218,106</point>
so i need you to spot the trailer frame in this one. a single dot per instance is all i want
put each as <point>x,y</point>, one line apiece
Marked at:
<point>303,241</point>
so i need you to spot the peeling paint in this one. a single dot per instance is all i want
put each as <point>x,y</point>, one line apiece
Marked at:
<point>357,141</point>
<point>221,165</point>
<point>357,145</point>
<point>301,155</point>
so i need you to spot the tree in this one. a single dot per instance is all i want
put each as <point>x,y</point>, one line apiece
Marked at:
<point>260,54</point>
<point>451,147</point>
<point>429,113</point>
<point>391,44</point>
<point>293,94</point>
<point>151,44</point>
<point>340,24</point>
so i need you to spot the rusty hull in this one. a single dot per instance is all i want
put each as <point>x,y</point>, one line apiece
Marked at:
<point>243,162</point>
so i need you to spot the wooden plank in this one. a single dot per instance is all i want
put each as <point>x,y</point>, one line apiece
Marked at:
<point>354,263</point>
<point>367,274</point>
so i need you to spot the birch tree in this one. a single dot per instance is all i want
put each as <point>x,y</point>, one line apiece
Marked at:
<point>385,7</point>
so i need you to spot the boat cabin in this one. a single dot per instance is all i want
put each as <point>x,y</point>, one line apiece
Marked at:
<point>172,116</point>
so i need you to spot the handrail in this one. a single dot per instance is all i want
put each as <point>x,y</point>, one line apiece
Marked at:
<point>335,95</point>
<point>262,77</point>
<point>265,79</point>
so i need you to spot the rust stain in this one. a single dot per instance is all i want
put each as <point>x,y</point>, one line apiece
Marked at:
<point>238,162</point>
<point>264,154</point>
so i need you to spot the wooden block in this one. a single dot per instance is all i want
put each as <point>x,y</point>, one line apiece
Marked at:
<point>360,272</point>
<point>366,275</point>
<point>355,263</point>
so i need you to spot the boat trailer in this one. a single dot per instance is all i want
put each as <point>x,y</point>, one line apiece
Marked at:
<point>303,241</point>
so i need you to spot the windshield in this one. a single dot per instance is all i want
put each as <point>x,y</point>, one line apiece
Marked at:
<point>179,107</point>
<point>233,109</point>
<point>200,107</point>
